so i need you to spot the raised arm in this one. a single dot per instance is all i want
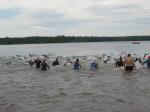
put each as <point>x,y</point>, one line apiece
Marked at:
<point>48,66</point>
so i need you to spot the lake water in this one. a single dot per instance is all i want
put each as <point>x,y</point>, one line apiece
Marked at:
<point>78,49</point>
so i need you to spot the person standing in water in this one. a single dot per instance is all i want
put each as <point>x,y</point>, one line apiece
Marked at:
<point>129,63</point>
<point>148,62</point>
<point>77,65</point>
<point>44,65</point>
<point>55,63</point>
<point>119,62</point>
<point>37,62</point>
<point>94,65</point>
<point>68,62</point>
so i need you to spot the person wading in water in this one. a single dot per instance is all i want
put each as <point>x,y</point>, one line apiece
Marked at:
<point>44,65</point>
<point>37,62</point>
<point>129,63</point>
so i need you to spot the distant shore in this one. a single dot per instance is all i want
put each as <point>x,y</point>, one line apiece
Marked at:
<point>68,39</point>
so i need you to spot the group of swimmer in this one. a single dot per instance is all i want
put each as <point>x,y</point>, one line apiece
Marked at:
<point>43,65</point>
<point>40,64</point>
<point>127,62</point>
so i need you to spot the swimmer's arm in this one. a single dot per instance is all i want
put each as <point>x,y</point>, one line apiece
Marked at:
<point>48,67</point>
<point>80,66</point>
<point>144,62</point>
<point>116,64</point>
<point>134,64</point>
<point>97,67</point>
<point>124,63</point>
<point>33,62</point>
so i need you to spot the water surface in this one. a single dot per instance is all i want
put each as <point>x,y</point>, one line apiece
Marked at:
<point>69,49</point>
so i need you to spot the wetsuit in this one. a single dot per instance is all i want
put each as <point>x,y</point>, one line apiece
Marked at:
<point>55,63</point>
<point>38,63</point>
<point>94,66</point>
<point>44,66</point>
<point>119,63</point>
<point>77,66</point>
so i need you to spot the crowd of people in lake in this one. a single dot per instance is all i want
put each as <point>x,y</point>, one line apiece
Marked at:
<point>40,64</point>
<point>128,62</point>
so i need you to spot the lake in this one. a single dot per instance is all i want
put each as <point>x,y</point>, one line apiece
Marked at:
<point>77,49</point>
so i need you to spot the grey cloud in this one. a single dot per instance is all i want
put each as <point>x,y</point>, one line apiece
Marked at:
<point>107,17</point>
<point>113,10</point>
<point>58,20</point>
<point>46,14</point>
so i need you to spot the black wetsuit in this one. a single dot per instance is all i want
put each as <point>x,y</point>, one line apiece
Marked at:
<point>44,66</point>
<point>55,63</point>
<point>38,63</point>
<point>119,63</point>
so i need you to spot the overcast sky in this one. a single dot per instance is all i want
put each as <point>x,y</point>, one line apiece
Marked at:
<point>74,17</point>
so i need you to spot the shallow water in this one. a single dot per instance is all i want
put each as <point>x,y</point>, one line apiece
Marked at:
<point>26,89</point>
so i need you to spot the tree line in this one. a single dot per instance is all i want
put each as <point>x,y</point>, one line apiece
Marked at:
<point>68,39</point>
